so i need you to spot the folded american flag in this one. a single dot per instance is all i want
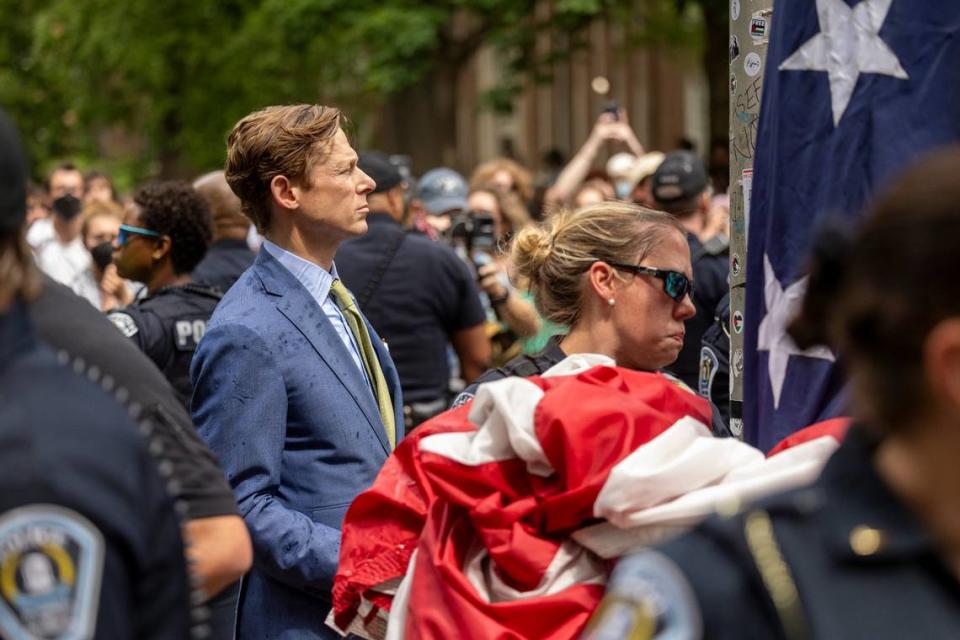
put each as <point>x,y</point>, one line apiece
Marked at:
<point>501,519</point>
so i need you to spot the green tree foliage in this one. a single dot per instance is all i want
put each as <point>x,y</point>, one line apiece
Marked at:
<point>153,86</point>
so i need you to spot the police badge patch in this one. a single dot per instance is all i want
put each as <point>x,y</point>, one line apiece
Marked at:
<point>709,365</point>
<point>126,324</point>
<point>51,563</point>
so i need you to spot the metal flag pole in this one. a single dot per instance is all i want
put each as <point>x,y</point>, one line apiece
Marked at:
<point>750,24</point>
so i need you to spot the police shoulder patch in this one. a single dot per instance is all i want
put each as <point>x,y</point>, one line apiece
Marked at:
<point>709,365</point>
<point>124,322</point>
<point>51,564</point>
<point>648,598</point>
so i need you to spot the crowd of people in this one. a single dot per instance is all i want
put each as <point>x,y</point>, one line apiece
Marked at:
<point>256,344</point>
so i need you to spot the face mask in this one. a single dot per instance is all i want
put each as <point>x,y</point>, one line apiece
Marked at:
<point>67,207</point>
<point>623,189</point>
<point>102,254</point>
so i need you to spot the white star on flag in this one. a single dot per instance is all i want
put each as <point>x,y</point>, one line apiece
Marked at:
<point>848,44</point>
<point>782,306</point>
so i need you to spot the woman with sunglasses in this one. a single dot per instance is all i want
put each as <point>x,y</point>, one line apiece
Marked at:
<point>618,278</point>
<point>871,549</point>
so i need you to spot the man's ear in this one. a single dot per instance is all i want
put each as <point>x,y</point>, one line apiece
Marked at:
<point>604,281</point>
<point>284,193</point>
<point>161,248</point>
<point>941,361</point>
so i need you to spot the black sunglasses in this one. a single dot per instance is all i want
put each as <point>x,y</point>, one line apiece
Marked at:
<point>675,284</point>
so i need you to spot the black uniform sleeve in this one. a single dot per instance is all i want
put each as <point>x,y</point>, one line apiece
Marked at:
<point>158,591</point>
<point>66,321</point>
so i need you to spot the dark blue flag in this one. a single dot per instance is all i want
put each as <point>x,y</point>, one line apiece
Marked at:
<point>853,91</point>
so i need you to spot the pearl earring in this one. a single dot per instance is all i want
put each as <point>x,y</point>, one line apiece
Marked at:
<point>611,302</point>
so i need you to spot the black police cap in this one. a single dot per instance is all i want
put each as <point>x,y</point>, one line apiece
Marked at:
<point>377,166</point>
<point>680,176</point>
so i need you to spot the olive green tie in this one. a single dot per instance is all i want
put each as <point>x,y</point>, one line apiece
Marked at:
<point>370,361</point>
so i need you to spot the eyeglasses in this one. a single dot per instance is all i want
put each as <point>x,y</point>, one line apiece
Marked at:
<point>675,284</point>
<point>126,231</point>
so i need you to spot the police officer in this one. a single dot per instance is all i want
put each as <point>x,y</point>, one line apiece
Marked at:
<point>90,542</point>
<point>869,550</point>
<point>165,234</point>
<point>680,187</point>
<point>714,378</point>
<point>418,295</point>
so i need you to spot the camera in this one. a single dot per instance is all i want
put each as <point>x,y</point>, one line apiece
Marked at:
<point>473,233</point>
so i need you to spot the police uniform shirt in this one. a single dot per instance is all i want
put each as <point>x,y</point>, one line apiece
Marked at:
<point>713,381</point>
<point>425,294</point>
<point>167,326</point>
<point>710,266</point>
<point>90,544</point>
<point>843,558</point>
<point>226,259</point>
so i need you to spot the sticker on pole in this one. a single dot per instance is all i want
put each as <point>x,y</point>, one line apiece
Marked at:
<point>734,48</point>
<point>735,9</point>
<point>758,26</point>
<point>752,64</point>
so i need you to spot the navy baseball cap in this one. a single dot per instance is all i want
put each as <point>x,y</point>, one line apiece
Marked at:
<point>13,176</point>
<point>442,190</point>
<point>680,176</point>
<point>378,166</point>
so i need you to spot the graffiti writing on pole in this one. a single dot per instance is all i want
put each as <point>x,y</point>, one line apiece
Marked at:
<point>746,117</point>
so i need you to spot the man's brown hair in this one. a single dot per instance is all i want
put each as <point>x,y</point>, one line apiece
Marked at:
<point>279,140</point>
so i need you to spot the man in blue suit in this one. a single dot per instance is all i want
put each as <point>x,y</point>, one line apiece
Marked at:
<point>293,389</point>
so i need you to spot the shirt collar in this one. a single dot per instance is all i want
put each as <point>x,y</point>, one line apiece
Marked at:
<point>314,278</point>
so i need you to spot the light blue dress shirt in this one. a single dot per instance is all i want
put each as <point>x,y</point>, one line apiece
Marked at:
<point>317,281</point>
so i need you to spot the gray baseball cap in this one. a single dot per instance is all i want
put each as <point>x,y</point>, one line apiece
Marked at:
<point>442,190</point>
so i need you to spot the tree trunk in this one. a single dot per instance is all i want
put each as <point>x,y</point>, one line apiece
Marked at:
<point>717,66</point>
<point>421,121</point>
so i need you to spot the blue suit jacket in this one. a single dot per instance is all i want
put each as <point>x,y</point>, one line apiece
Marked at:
<point>280,400</point>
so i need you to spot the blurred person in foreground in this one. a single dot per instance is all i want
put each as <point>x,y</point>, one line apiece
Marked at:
<point>680,187</point>
<point>89,539</point>
<point>229,254</point>
<point>99,284</point>
<point>618,277</point>
<point>417,294</point>
<point>293,389</point>
<point>56,240</point>
<point>165,235</point>
<point>870,549</point>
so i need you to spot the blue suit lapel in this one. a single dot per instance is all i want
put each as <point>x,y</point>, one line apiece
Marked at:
<point>296,304</point>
